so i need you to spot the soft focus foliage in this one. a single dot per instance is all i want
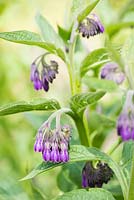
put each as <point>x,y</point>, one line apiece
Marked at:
<point>18,131</point>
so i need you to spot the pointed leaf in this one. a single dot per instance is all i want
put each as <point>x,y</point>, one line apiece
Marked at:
<point>87,10</point>
<point>92,194</point>
<point>26,37</point>
<point>81,8</point>
<point>95,59</point>
<point>23,106</point>
<point>30,38</point>
<point>48,33</point>
<point>80,101</point>
<point>81,153</point>
<point>103,84</point>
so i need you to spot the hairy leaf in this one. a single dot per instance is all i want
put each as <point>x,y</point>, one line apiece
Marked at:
<point>80,101</point>
<point>48,33</point>
<point>30,38</point>
<point>95,59</point>
<point>103,84</point>
<point>22,106</point>
<point>81,153</point>
<point>82,194</point>
<point>26,37</point>
<point>81,8</point>
<point>87,10</point>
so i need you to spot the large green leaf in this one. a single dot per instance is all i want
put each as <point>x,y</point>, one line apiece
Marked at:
<point>22,106</point>
<point>81,153</point>
<point>127,156</point>
<point>103,84</point>
<point>95,59</point>
<point>49,35</point>
<point>82,194</point>
<point>26,37</point>
<point>80,101</point>
<point>30,38</point>
<point>69,177</point>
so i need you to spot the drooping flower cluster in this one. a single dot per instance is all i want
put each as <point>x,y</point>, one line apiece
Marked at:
<point>95,177</point>
<point>91,26</point>
<point>54,143</point>
<point>42,77</point>
<point>125,124</point>
<point>111,71</point>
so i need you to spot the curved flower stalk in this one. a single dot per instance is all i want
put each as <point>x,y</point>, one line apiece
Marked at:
<point>53,143</point>
<point>42,77</point>
<point>125,124</point>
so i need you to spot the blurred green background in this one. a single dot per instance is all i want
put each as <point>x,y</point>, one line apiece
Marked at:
<point>18,131</point>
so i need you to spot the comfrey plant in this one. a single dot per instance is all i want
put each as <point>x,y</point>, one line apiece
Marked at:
<point>103,71</point>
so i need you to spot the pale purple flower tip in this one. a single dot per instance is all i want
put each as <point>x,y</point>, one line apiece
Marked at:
<point>110,71</point>
<point>92,26</point>
<point>125,123</point>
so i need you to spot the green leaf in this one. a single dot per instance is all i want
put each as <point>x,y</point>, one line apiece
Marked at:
<point>113,29</point>
<point>49,34</point>
<point>87,10</point>
<point>92,194</point>
<point>127,156</point>
<point>26,37</point>
<point>102,121</point>
<point>81,153</point>
<point>64,34</point>
<point>69,177</point>
<point>80,101</point>
<point>127,56</point>
<point>81,8</point>
<point>95,59</point>
<point>103,84</point>
<point>22,106</point>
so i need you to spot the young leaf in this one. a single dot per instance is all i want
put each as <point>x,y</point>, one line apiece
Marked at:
<point>81,153</point>
<point>26,37</point>
<point>64,34</point>
<point>48,33</point>
<point>95,59</point>
<point>79,101</point>
<point>22,106</point>
<point>87,10</point>
<point>93,194</point>
<point>103,84</point>
<point>113,29</point>
<point>81,8</point>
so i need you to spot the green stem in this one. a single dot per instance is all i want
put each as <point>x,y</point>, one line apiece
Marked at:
<point>131,184</point>
<point>81,130</point>
<point>114,146</point>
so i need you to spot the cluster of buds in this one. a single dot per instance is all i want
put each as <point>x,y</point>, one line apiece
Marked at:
<point>53,143</point>
<point>95,177</point>
<point>125,124</point>
<point>91,26</point>
<point>111,71</point>
<point>42,77</point>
